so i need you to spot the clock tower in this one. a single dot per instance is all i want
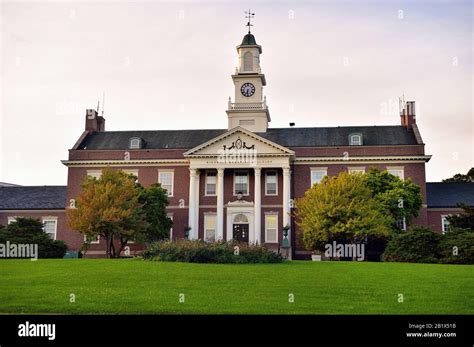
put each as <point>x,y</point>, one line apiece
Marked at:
<point>249,109</point>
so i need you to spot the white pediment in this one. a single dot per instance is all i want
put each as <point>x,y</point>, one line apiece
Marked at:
<point>238,139</point>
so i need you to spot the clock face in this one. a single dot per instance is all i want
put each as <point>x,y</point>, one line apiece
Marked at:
<point>248,89</point>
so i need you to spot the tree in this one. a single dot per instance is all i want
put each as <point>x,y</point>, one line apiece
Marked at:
<point>342,209</point>
<point>469,177</point>
<point>109,207</point>
<point>154,200</point>
<point>401,198</point>
<point>30,231</point>
<point>465,220</point>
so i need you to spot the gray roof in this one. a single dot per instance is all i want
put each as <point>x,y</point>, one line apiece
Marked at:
<point>287,137</point>
<point>33,198</point>
<point>449,194</point>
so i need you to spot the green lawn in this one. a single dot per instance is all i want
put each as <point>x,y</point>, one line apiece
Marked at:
<point>137,286</point>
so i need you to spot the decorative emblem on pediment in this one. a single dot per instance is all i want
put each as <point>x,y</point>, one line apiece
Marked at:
<point>239,144</point>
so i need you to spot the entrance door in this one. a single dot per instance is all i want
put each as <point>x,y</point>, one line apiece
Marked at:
<point>241,232</point>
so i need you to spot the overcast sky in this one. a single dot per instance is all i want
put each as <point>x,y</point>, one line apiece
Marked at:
<point>167,65</point>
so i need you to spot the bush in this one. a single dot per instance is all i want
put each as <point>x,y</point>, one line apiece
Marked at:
<point>419,245</point>
<point>463,240</point>
<point>198,251</point>
<point>30,231</point>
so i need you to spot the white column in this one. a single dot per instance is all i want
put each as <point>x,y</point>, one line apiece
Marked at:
<point>258,205</point>
<point>286,202</point>
<point>220,204</point>
<point>192,202</point>
<point>196,213</point>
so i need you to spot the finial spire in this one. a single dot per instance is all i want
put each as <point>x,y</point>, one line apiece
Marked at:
<point>249,15</point>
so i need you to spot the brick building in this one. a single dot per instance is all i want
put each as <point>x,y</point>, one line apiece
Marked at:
<point>239,182</point>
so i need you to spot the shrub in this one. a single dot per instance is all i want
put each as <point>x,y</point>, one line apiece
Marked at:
<point>30,231</point>
<point>198,251</point>
<point>419,245</point>
<point>463,240</point>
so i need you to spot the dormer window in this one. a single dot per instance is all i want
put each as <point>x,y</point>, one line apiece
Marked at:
<point>135,143</point>
<point>355,139</point>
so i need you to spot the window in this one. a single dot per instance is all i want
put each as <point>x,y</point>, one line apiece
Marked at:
<point>396,171</point>
<point>317,175</point>
<point>355,139</point>
<point>356,170</point>
<point>209,227</point>
<point>133,172</point>
<point>271,183</point>
<point>165,178</point>
<point>271,229</point>
<point>96,241</point>
<point>211,181</point>
<point>11,220</point>
<point>135,143</point>
<point>444,224</point>
<point>50,226</point>
<point>402,224</point>
<point>248,61</point>
<point>94,173</point>
<point>241,182</point>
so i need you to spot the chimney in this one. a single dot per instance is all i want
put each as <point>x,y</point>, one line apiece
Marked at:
<point>407,115</point>
<point>94,122</point>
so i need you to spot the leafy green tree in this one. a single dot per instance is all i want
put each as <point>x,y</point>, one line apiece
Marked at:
<point>400,198</point>
<point>469,177</point>
<point>30,231</point>
<point>465,220</point>
<point>342,209</point>
<point>457,246</point>
<point>154,200</point>
<point>109,207</point>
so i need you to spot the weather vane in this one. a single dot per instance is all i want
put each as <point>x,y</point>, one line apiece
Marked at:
<point>249,15</point>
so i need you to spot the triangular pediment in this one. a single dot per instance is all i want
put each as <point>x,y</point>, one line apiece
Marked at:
<point>239,138</point>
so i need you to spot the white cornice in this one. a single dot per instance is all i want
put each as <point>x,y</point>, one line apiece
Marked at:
<point>363,160</point>
<point>140,162</point>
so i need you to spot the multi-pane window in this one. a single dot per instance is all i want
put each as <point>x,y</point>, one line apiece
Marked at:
<point>211,181</point>
<point>49,227</point>
<point>396,172</point>
<point>317,175</point>
<point>210,228</point>
<point>133,172</point>
<point>170,216</point>
<point>11,220</point>
<point>271,181</point>
<point>135,143</point>
<point>355,140</point>
<point>444,224</point>
<point>271,228</point>
<point>165,178</point>
<point>402,224</point>
<point>241,182</point>
<point>356,170</point>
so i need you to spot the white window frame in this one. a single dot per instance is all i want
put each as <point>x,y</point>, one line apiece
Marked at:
<point>95,242</point>
<point>276,182</point>
<point>355,143</point>
<point>356,170</point>
<point>94,173</point>
<point>444,220</point>
<point>404,225</point>
<point>248,182</point>
<point>10,220</point>
<point>207,216</point>
<point>275,215</point>
<point>398,171</point>
<point>172,180</point>
<point>133,172</point>
<point>51,219</point>
<point>135,143</point>
<point>317,169</point>
<point>206,182</point>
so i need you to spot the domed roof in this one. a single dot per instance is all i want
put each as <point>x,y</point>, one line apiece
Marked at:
<point>249,40</point>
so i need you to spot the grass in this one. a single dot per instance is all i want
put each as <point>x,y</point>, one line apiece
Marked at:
<point>137,286</point>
